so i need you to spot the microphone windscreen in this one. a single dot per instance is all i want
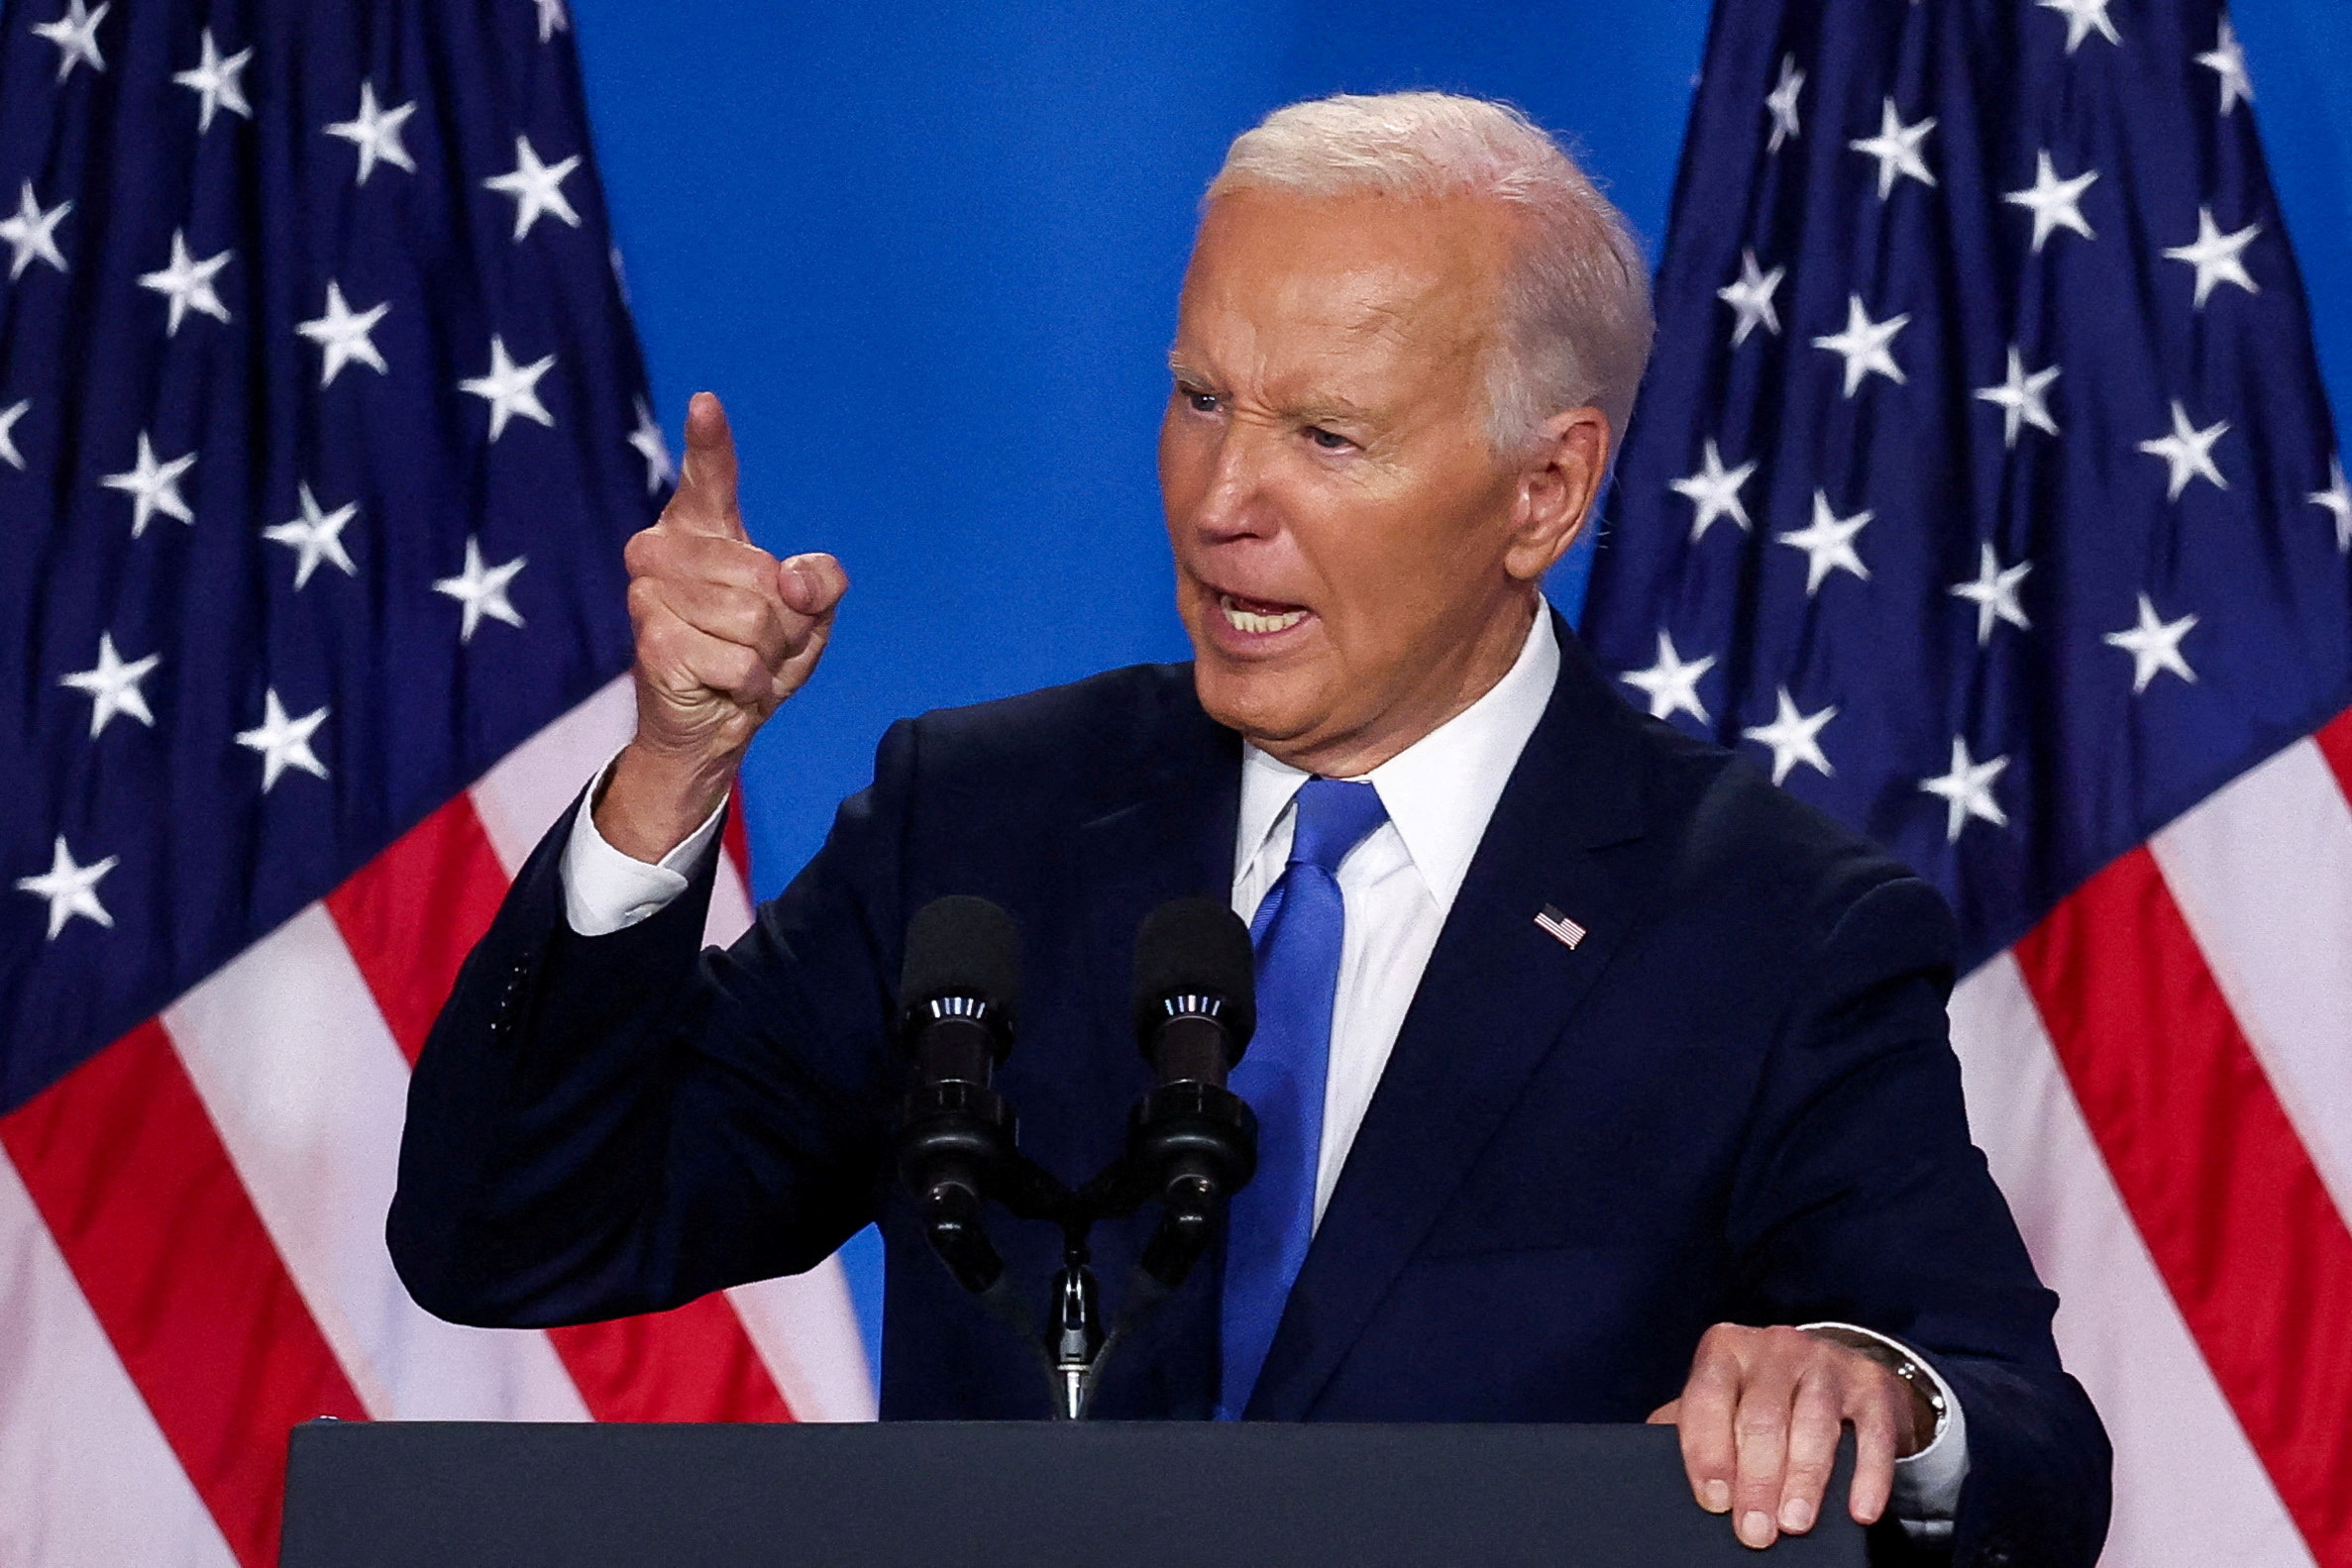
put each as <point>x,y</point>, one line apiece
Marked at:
<point>1194,945</point>
<point>961,946</point>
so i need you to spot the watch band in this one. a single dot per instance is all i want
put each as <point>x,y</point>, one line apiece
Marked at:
<point>1895,1358</point>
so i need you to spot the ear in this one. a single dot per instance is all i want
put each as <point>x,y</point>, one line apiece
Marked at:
<point>1558,482</point>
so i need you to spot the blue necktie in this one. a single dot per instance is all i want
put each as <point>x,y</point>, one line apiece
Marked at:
<point>1296,936</point>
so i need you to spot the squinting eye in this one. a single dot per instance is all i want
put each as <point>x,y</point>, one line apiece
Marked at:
<point>1328,440</point>
<point>1202,402</point>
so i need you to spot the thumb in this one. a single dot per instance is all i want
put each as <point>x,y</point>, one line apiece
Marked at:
<point>813,583</point>
<point>1667,1414</point>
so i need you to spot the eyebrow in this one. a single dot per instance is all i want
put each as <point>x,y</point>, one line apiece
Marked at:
<point>1314,412</point>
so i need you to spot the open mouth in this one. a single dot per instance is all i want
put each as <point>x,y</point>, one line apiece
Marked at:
<point>1258,617</point>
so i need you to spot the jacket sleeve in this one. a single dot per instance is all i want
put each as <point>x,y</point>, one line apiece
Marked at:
<point>1860,1199</point>
<point>615,1124</point>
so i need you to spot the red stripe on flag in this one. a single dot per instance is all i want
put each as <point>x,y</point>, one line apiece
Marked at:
<point>736,838</point>
<point>2335,744</point>
<point>691,1364</point>
<point>132,1181</point>
<point>409,918</point>
<point>2252,1249</point>
<point>412,914</point>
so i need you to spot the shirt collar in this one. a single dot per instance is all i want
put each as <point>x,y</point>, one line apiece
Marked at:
<point>1441,791</point>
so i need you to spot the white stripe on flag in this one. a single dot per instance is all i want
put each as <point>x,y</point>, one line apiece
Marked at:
<point>730,906</point>
<point>519,799</point>
<point>806,1329</point>
<point>2262,871</point>
<point>85,1475</point>
<point>2189,1491</point>
<point>308,1090</point>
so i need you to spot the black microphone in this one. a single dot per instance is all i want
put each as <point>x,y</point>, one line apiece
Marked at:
<point>958,996</point>
<point>1196,991</point>
<point>1192,1142</point>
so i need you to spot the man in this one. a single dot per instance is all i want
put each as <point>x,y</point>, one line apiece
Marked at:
<point>1607,1081</point>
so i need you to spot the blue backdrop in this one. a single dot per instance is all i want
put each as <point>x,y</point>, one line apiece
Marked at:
<point>929,253</point>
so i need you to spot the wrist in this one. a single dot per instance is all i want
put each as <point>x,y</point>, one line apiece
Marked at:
<point>1927,1402</point>
<point>652,802</point>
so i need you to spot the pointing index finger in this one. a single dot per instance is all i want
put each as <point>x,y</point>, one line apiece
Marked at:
<point>704,502</point>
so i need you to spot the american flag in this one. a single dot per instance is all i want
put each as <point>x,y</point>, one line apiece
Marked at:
<point>1984,491</point>
<point>321,426</point>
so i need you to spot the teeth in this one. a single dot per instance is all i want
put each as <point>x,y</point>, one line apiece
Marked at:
<point>1242,620</point>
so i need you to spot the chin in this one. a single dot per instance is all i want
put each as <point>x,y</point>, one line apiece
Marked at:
<point>1266,707</point>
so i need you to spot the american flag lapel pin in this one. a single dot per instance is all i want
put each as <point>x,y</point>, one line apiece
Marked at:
<point>1560,925</point>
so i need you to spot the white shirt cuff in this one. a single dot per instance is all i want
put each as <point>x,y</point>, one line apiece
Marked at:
<point>606,890</point>
<point>1926,1484</point>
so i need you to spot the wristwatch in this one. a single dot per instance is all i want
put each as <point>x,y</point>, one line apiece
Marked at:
<point>1925,1390</point>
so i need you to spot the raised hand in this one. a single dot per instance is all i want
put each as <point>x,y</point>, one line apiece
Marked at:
<point>1760,1417</point>
<point>725,632</point>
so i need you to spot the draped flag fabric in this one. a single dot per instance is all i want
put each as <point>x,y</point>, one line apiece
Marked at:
<point>321,426</point>
<point>1984,491</point>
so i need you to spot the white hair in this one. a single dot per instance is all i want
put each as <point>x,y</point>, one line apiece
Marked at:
<point>1576,306</point>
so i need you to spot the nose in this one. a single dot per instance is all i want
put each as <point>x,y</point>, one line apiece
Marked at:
<point>1232,504</point>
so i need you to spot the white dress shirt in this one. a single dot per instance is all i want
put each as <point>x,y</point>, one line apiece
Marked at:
<point>1397,886</point>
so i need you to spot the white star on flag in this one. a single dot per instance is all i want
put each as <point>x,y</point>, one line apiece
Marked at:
<point>482,589</point>
<point>552,19</point>
<point>1715,490</point>
<point>7,418</point>
<point>1865,345</point>
<point>2227,61</point>
<point>2021,399</point>
<point>2217,257</point>
<point>1794,738</point>
<point>1896,147</point>
<point>283,742</point>
<point>536,187</point>
<point>510,390</point>
<point>1781,102</point>
<point>31,235</point>
<point>2337,498</point>
<point>1828,544</point>
<point>188,284</point>
<point>315,536</point>
<point>2154,645</point>
<point>1751,297</point>
<point>1967,791</point>
<point>76,35</point>
<point>152,488</point>
<point>2055,203</point>
<point>71,889</point>
<point>343,334</point>
<point>2083,16</point>
<point>1673,684</point>
<point>647,439</point>
<point>2188,452</point>
<point>215,81</point>
<point>113,685</point>
<point>375,132</point>
<point>1995,593</point>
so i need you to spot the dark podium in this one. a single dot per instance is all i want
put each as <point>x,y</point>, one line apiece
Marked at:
<point>1010,1495</point>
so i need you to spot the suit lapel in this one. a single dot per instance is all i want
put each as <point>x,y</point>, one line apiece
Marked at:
<point>1495,997</point>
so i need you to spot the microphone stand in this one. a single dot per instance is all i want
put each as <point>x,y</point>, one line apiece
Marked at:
<point>1190,1145</point>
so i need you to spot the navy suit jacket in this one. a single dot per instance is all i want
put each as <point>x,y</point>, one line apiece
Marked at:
<point>1735,1101</point>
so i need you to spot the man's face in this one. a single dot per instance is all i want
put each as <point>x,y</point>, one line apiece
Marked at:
<point>1352,558</point>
